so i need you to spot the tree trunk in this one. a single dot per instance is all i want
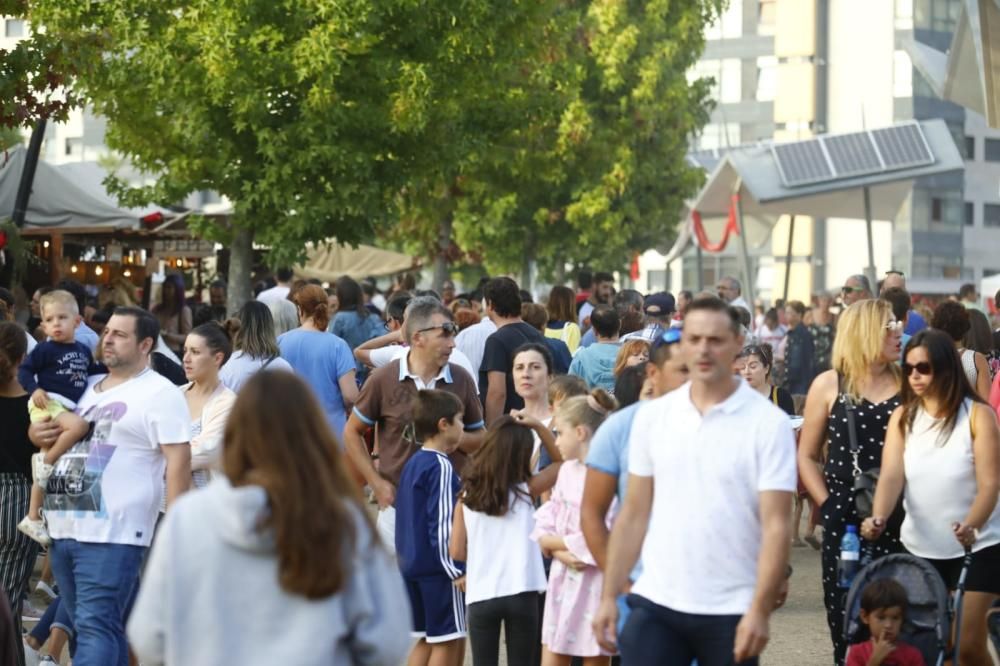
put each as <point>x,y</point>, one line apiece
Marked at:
<point>240,265</point>
<point>527,263</point>
<point>441,266</point>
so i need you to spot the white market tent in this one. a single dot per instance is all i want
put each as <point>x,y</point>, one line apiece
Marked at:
<point>65,200</point>
<point>331,260</point>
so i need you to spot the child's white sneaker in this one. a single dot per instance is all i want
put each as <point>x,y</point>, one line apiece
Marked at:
<point>40,470</point>
<point>35,529</point>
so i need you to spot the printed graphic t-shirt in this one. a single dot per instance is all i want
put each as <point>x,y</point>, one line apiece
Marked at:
<point>107,488</point>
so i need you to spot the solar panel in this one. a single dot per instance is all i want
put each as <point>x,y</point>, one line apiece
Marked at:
<point>852,154</point>
<point>903,146</point>
<point>827,158</point>
<point>802,162</point>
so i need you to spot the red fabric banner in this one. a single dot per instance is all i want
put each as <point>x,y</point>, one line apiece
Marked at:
<point>702,237</point>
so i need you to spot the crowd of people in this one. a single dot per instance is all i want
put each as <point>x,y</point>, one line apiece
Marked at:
<point>337,475</point>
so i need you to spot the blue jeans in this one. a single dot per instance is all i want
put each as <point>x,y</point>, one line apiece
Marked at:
<point>97,583</point>
<point>56,616</point>
<point>658,635</point>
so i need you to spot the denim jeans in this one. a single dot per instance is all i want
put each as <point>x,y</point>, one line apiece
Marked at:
<point>658,635</point>
<point>97,584</point>
<point>55,616</point>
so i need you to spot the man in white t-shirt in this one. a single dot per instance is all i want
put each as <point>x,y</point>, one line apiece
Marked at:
<point>103,497</point>
<point>711,473</point>
<point>280,291</point>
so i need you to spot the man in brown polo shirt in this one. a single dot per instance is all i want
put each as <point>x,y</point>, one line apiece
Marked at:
<point>387,396</point>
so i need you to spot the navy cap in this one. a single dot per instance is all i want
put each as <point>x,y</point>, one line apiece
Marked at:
<point>659,304</point>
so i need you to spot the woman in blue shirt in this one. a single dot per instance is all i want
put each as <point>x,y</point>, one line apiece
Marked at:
<point>354,323</point>
<point>322,359</point>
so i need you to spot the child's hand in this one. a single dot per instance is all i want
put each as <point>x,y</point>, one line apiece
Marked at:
<point>522,418</point>
<point>459,583</point>
<point>40,398</point>
<point>881,649</point>
<point>569,560</point>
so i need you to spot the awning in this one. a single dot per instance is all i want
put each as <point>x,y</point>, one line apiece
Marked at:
<point>331,260</point>
<point>62,200</point>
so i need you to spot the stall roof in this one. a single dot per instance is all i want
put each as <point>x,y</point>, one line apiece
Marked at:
<point>61,200</point>
<point>331,260</point>
<point>769,189</point>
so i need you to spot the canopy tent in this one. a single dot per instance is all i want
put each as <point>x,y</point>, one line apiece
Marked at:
<point>62,200</point>
<point>750,187</point>
<point>969,73</point>
<point>330,260</point>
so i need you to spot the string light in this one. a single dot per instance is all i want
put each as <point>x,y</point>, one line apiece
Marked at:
<point>73,268</point>
<point>98,270</point>
<point>45,244</point>
<point>127,273</point>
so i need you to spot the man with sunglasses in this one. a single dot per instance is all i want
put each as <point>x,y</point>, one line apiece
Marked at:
<point>856,288</point>
<point>386,400</point>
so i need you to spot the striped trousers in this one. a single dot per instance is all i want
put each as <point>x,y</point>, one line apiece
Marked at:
<point>17,552</point>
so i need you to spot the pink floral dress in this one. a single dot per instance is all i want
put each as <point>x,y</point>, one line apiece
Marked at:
<point>572,597</point>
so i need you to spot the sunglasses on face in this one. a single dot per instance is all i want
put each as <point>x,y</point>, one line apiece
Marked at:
<point>846,289</point>
<point>448,329</point>
<point>894,326</point>
<point>923,368</point>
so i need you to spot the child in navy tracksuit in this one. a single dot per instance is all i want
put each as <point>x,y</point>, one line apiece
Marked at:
<point>425,500</point>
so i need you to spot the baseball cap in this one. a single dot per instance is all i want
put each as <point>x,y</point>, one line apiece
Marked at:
<point>659,304</point>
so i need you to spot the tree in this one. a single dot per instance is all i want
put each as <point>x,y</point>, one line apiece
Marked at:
<point>311,116</point>
<point>606,176</point>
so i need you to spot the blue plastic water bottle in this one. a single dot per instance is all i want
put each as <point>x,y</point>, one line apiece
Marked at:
<point>850,557</point>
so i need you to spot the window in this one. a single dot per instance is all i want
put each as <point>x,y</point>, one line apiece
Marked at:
<point>74,146</point>
<point>729,25</point>
<point>765,17</point>
<point>14,28</point>
<point>767,78</point>
<point>970,148</point>
<point>991,150</point>
<point>718,135</point>
<point>904,14</point>
<point>936,15</point>
<point>991,215</point>
<point>902,75</point>
<point>970,213</point>
<point>935,210</point>
<point>726,75</point>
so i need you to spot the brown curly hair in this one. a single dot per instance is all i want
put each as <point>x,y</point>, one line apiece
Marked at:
<point>952,318</point>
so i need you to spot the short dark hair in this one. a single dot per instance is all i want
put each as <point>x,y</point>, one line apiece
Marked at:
<point>605,321</point>
<point>899,299</point>
<point>716,304</point>
<point>526,296</point>
<point>541,350</point>
<point>284,274</point>
<point>952,318</point>
<point>146,325</point>
<point>429,407</point>
<point>396,307</point>
<point>626,299</point>
<point>218,284</point>
<point>798,306</point>
<point>884,593</point>
<point>603,277</point>
<point>967,289</point>
<point>502,293</point>
<point>686,293</point>
<point>585,279</point>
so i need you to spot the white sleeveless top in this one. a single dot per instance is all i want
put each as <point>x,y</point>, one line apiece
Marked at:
<point>940,488</point>
<point>501,559</point>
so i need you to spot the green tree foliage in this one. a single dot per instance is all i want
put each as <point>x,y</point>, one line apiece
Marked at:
<point>310,115</point>
<point>605,175</point>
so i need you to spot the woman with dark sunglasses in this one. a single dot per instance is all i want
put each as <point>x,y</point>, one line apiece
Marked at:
<point>942,453</point>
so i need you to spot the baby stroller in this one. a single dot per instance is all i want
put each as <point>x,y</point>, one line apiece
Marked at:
<point>928,618</point>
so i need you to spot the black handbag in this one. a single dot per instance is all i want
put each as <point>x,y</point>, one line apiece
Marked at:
<point>866,481</point>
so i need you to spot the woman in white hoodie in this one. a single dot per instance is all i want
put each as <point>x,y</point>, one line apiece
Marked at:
<point>254,567</point>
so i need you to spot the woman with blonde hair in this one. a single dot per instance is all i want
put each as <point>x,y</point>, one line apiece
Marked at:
<point>850,406</point>
<point>562,325</point>
<point>277,551</point>
<point>322,359</point>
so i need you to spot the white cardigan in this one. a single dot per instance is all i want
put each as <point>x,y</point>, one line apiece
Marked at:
<point>206,447</point>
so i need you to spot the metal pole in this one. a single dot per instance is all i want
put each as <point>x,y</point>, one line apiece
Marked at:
<point>747,278</point>
<point>699,266</point>
<point>28,174</point>
<point>788,257</point>
<point>870,270</point>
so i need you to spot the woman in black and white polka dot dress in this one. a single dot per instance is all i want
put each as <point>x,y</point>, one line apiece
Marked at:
<point>864,372</point>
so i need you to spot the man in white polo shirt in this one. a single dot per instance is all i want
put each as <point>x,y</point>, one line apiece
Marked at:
<point>711,473</point>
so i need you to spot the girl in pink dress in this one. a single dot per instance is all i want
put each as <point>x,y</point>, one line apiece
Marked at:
<point>574,587</point>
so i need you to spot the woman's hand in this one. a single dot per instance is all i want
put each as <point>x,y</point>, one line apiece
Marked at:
<point>872,528</point>
<point>569,560</point>
<point>965,534</point>
<point>525,419</point>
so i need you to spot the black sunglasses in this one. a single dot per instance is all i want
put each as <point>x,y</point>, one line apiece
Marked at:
<point>922,368</point>
<point>449,328</point>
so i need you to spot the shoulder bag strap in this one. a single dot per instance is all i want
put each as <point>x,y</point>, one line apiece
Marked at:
<point>852,434</point>
<point>774,394</point>
<point>268,362</point>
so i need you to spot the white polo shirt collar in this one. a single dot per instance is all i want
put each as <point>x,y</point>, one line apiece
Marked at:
<point>404,372</point>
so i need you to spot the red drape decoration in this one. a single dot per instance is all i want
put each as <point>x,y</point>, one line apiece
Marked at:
<point>731,228</point>
<point>634,268</point>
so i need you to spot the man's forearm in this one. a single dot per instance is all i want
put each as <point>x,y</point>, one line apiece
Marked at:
<point>772,565</point>
<point>357,452</point>
<point>471,441</point>
<point>624,547</point>
<point>596,534</point>
<point>494,404</point>
<point>178,479</point>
